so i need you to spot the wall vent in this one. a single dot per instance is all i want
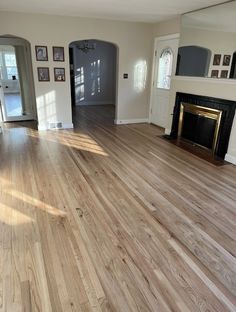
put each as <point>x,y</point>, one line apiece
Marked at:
<point>55,125</point>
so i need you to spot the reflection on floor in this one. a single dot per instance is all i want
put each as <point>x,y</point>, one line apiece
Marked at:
<point>13,104</point>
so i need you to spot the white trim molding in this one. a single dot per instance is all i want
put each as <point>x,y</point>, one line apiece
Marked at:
<point>130,121</point>
<point>230,158</point>
<point>44,127</point>
<point>68,126</point>
<point>167,131</point>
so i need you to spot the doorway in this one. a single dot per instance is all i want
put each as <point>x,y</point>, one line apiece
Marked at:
<point>93,76</point>
<point>166,50</point>
<point>16,80</point>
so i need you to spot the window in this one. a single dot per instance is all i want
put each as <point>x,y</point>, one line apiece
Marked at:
<point>165,69</point>
<point>10,63</point>
<point>8,67</point>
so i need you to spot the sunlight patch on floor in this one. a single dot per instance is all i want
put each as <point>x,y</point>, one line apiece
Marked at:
<point>36,203</point>
<point>11,216</point>
<point>74,140</point>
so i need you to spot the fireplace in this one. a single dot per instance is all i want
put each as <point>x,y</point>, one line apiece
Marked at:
<point>199,125</point>
<point>203,121</point>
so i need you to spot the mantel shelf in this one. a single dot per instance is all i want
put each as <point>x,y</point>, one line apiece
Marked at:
<point>205,79</point>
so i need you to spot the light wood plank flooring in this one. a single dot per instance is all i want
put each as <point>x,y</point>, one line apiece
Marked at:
<point>113,218</point>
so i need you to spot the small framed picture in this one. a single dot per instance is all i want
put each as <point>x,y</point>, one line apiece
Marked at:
<point>43,74</point>
<point>226,60</point>
<point>41,53</point>
<point>217,59</point>
<point>214,74</point>
<point>224,74</point>
<point>58,54</point>
<point>59,74</point>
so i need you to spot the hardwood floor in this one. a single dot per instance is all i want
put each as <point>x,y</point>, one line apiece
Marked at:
<point>113,218</point>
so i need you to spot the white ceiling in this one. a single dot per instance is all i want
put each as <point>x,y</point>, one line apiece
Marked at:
<point>129,10</point>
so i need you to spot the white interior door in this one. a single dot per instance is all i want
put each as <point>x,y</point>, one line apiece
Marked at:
<point>166,51</point>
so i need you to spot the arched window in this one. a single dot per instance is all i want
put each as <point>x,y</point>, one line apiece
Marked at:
<point>165,69</point>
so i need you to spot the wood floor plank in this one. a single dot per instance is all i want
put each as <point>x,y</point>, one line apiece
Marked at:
<point>113,218</point>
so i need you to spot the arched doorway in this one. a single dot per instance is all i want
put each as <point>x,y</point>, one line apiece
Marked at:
<point>93,69</point>
<point>17,94</point>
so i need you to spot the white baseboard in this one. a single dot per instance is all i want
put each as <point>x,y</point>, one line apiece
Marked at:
<point>231,159</point>
<point>42,127</point>
<point>67,126</point>
<point>130,121</point>
<point>167,131</point>
<point>64,126</point>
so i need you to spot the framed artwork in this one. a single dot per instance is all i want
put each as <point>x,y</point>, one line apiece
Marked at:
<point>43,74</point>
<point>216,59</point>
<point>58,54</point>
<point>59,74</point>
<point>224,74</point>
<point>226,60</point>
<point>214,74</point>
<point>41,53</point>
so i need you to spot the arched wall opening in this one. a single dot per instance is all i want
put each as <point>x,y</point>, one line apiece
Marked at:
<point>94,75</point>
<point>17,92</point>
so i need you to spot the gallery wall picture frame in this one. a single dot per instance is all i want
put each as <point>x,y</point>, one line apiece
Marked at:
<point>58,54</point>
<point>41,53</point>
<point>226,60</point>
<point>215,73</point>
<point>224,74</point>
<point>216,59</point>
<point>59,74</point>
<point>43,74</point>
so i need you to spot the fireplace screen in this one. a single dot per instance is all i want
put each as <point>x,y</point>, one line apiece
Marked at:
<point>199,125</point>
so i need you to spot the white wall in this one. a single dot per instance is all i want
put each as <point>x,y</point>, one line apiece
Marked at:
<point>219,88</point>
<point>99,63</point>
<point>134,41</point>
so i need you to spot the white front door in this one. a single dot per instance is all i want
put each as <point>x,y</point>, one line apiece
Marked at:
<point>166,50</point>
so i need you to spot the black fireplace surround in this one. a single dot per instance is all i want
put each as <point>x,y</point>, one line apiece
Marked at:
<point>228,111</point>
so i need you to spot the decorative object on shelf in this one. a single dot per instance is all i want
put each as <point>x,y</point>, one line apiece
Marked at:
<point>224,74</point>
<point>86,46</point>
<point>41,53</point>
<point>214,73</point>
<point>226,60</point>
<point>59,74</point>
<point>58,54</point>
<point>216,59</point>
<point>43,74</point>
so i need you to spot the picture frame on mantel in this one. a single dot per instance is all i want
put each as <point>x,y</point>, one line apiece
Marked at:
<point>215,73</point>
<point>224,74</point>
<point>226,60</point>
<point>216,59</point>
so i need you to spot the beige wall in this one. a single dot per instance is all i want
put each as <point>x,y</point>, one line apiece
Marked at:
<point>134,41</point>
<point>167,27</point>
<point>220,88</point>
